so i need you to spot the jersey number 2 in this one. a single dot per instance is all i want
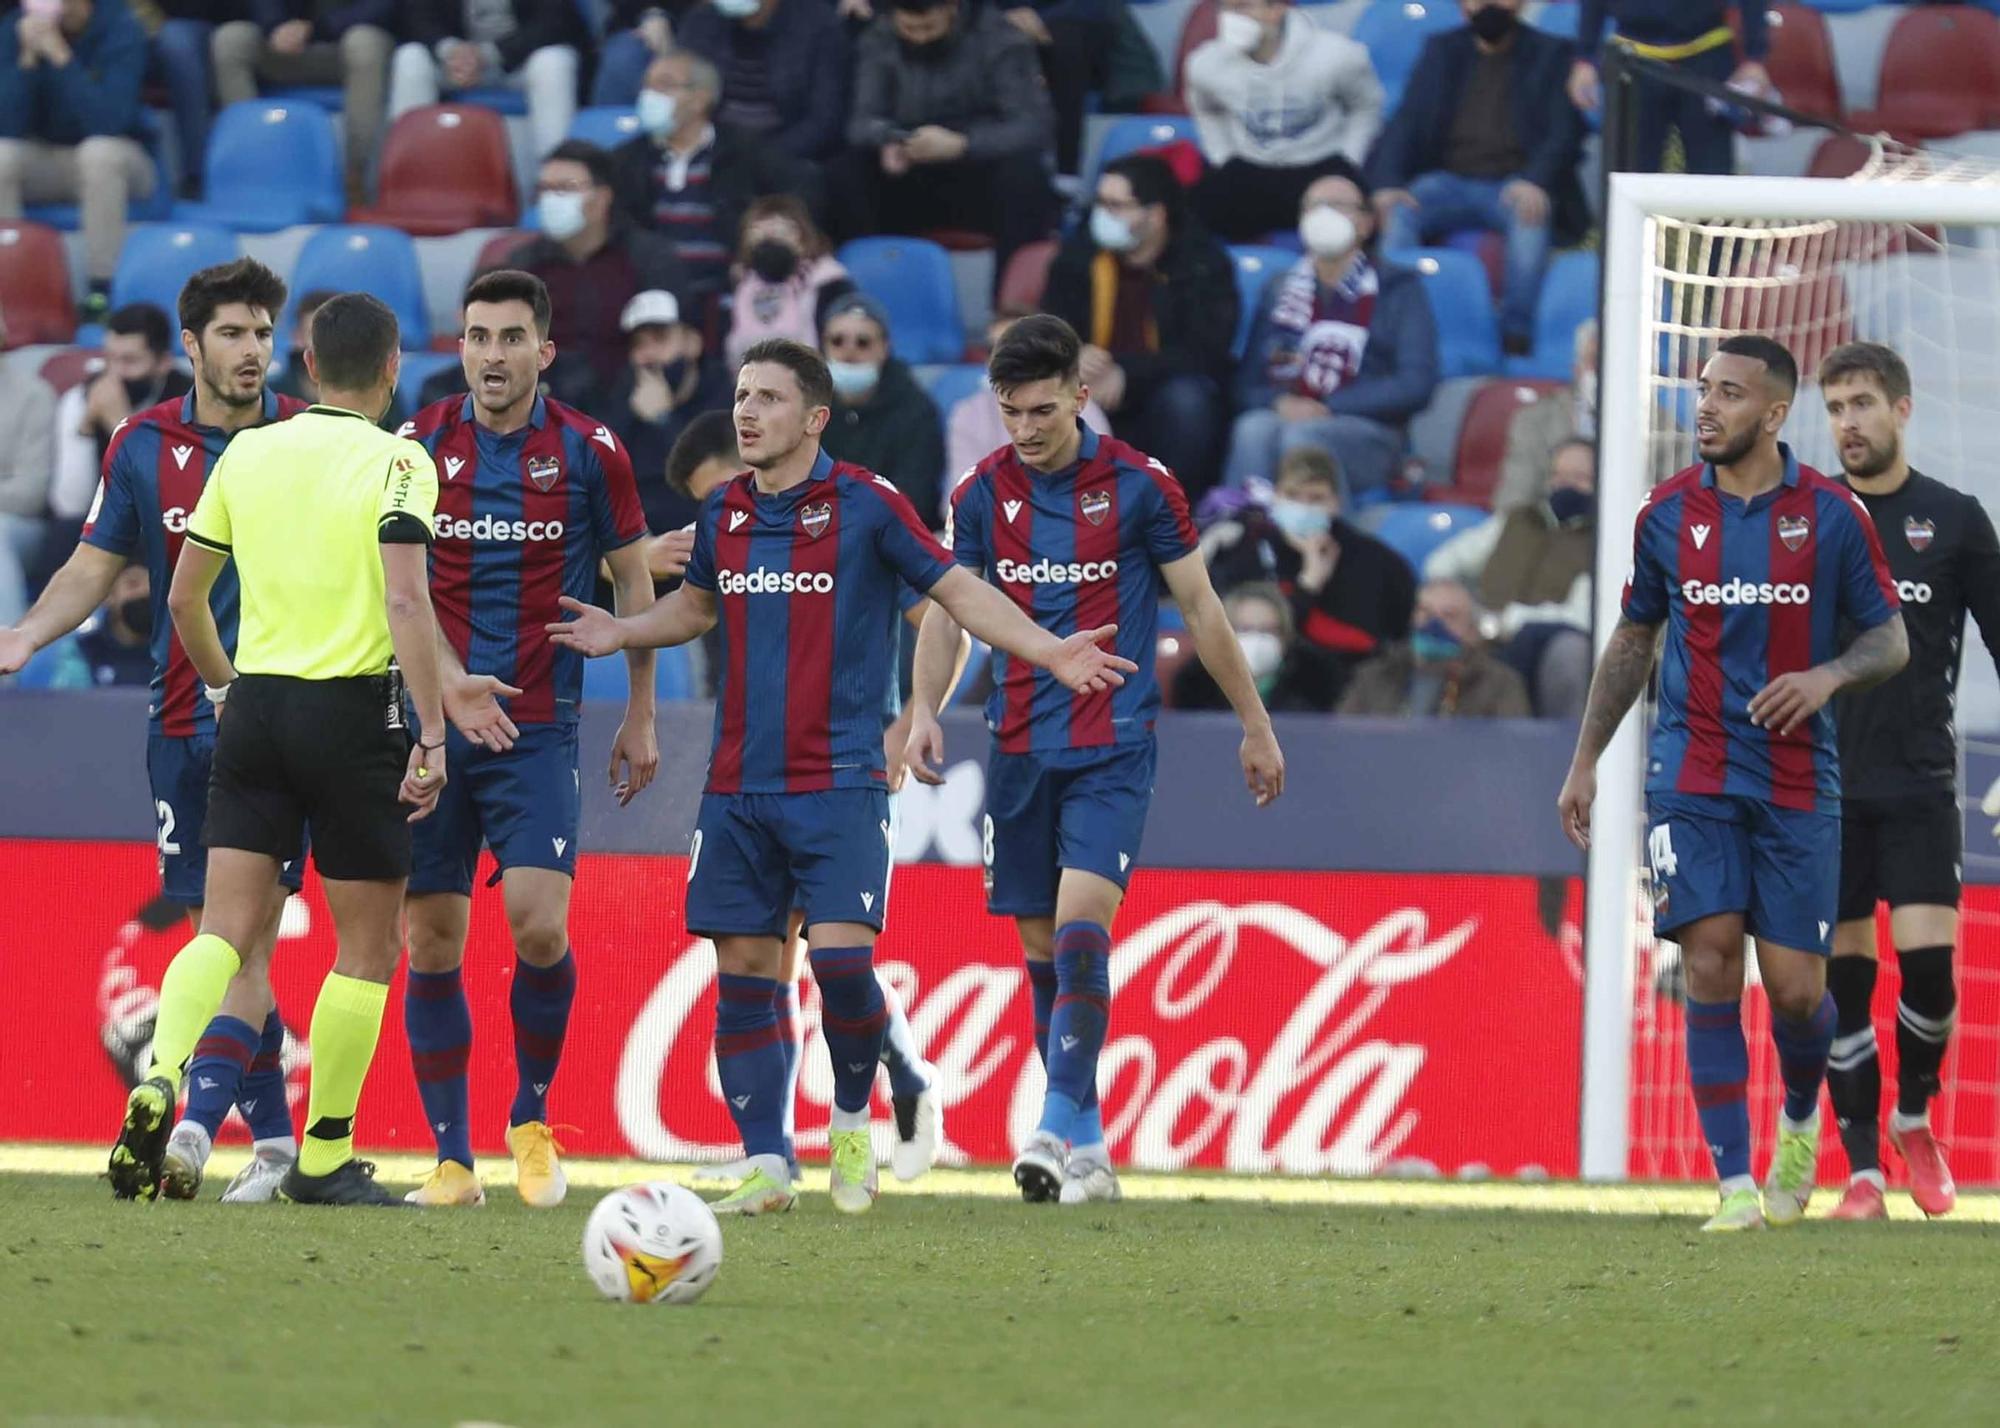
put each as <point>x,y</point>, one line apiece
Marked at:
<point>168,847</point>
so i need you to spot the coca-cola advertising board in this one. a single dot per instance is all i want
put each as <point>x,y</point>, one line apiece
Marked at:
<point>1301,1023</point>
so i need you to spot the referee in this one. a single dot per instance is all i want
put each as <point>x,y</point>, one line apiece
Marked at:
<point>328,519</point>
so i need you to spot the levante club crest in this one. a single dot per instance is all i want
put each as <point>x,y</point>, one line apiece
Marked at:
<point>1096,505</point>
<point>1919,534</point>
<point>815,518</point>
<point>544,471</point>
<point>1793,530</point>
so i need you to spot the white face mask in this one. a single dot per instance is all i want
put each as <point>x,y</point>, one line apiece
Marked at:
<point>1262,651</point>
<point>736,9</point>
<point>854,379</point>
<point>561,214</point>
<point>656,112</point>
<point>1327,232</point>
<point>1111,232</point>
<point>1239,32</point>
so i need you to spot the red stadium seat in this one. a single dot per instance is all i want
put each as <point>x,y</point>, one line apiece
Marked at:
<point>34,285</point>
<point>1807,311</point>
<point>445,168</point>
<point>1839,156</point>
<point>495,251</point>
<point>1801,59</point>
<point>73,368</point>
<point>1482,441</point>
<point>1940,73</point>
<point>1198,31</point>
<point>1027,275</point>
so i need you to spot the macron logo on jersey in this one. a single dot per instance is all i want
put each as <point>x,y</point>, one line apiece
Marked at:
<point>181,455</point>
<point>604,436</point>
<point>737,518</point>
<point>1700,536</point>
<point>452,466</point>
<point>487,528</point>
<point>1739,591</point>
<point>1012,508</point>
<point>1055,572</point>
<point>774,582</point>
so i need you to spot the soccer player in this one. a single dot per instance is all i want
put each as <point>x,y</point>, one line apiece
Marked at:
<point>1076,529</point>
<point>800,558</point>
<point>154,472</point>
<point>1900,827</point>
<point>532,496</point>
<point>326,517</point>
<point>1755,565</point>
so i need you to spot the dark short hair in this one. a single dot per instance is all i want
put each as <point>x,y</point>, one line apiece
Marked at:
<point>245,280</point>
<point>512,285</point>
<point>141,319</point>
<point>815,383</point>
<point>1313,463</point>
<point>1777,358</point>
<point>916,7</point>
<point>353,337</point>
<point>709,437</point>
<point>1033,349</point>
<point>1152,181</point>
<point>582,151</point>
<point>313,301</point>
<point>1867,359</point>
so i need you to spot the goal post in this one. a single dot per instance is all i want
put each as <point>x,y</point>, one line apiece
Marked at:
<point>1812,262</point>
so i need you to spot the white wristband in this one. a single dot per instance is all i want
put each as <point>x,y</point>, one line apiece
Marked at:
<point>217,693</point>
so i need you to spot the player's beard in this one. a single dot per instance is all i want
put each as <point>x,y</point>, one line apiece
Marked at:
<point>1878,460</point>
<point>1734,449</point>
<point>220,382</point>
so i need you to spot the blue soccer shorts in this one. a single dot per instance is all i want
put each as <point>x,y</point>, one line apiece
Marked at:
<point>177,767</point>
<point>756,856</point>
<point>525,803</point>
<point>1716,853</point>
<point>1042,817</point>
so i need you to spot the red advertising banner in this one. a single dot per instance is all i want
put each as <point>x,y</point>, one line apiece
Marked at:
<point>1300,1023</point>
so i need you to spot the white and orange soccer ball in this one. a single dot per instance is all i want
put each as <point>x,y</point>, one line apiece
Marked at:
<point>652,1243</point>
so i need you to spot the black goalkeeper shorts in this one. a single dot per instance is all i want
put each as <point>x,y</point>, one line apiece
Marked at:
<point>1903,851</point>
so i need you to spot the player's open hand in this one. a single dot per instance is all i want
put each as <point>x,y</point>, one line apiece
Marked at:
<point>1263,764</point>
<point>925,750</point>
<point>1990,805</point>
<point>423,781</point>
<point>16,649</point>
<point>1579,791</point>
<point>635,759</point>
<point>472,703</point>
<point>1791,699</point>
<point>594,632</point>
<point>1082,663</point>
<point>667,555</point>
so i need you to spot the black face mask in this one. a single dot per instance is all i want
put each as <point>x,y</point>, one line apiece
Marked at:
<point>142,393</point>
<point>773,261</point>
<point>674,373</point>
<point>137,613</point>
<point>1493,24</point>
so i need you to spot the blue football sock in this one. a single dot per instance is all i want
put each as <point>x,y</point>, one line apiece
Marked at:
<point>439,1025</point>
<point>1803,1047</point>
<point>1719,1069</point>
<point>900,1057</point>
<point>852,1018</point>
<point>1042,988</point>
<point>750,1062</point>
<point>1078,1025</point>
<point>540,1002</point>
<point>786,1005</point>
<point>262,1097</point>
<point>221,1060</point>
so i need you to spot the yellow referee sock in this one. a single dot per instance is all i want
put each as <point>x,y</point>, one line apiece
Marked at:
<point>189,995</point>
<point>346,1021</point>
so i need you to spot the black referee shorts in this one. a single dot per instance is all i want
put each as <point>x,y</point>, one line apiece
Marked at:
<point>1902,850</point>
<point>326,752</point>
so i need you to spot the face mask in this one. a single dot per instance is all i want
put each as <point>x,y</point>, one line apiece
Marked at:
<point>137,613</point>
<point>1493,24</point>
<point>1238,32</point>
<point>1433,643</point>
<point>142,392</point>
<point>1327,232</point>
<point>1299,520</point>
<point>675,372</point>
<point>773,261</point>
<point>561,214</point>
<point>656,112</point>
<point>735,9</point>
<point>1262,651</point>
<point>854,379</point>
<point>1110,232</point>
<point>1570,506</point>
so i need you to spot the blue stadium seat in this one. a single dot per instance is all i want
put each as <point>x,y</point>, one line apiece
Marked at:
<point>1569,297</point>
<point>497,97</point>
<point>1136,132</point>
<point>1849,7</point>
<point>381,261</point>
<point>418,367</point>
<point>1255,267</point>
<point>950,384</point>
<point>52,666</point>
<point>606,126</point>
<point>270,166</point>
<point>1561,18</point>
<point>159,258</point>
<point>1395,31</point>
<point>1468,328</point>
<point>1413,529</point>
<point>609,679</point>
<point>330,97</point>
<point>912,278</point>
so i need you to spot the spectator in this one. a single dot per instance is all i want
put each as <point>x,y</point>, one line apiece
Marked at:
<point>690,178</point>
<point>531,46</point>
<point>294,42</point>
<point>1154,297</point>
<point>1531,569</point>
<point>638,32</point>
<point>70,122</point>
<point>881,418</point>
<point>950,129</point>
<point>786,278</point>
<point>295,380</point>
<point>1486,138</point>
<point>1277,101</point>
<point>27,464</point>
<point>784,67</point>
<point>1350,593</point>
<point>973,429</point>
<point>1543,426</point>
<point>115,645</point>
<point>703,458</point>
<point>666,384</point>
<point>1342,354</point>
<point>1443,671</point>
<point>594,261</point>
<point>1262,619</point>
<point>1694,37</point>
<point>1073,40</point>
<point>178,60</point>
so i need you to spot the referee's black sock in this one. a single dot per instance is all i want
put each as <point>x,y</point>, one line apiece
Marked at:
<point>1923,1026</point>
<point>1853,1071</point>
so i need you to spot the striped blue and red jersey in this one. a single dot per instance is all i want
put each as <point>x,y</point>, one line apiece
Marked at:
<point>1750,591</point>
<point>808,591</point>
<point>522,520</point>
<point>1075,549</point>
<point>154,471</point>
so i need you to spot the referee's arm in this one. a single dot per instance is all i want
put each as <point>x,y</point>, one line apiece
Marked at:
<point>412,624</point>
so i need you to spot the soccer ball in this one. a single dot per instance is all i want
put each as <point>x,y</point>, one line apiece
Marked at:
<point>652,1244</point>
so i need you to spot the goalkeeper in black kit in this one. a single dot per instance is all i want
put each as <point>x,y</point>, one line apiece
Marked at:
<point>1900,828</point>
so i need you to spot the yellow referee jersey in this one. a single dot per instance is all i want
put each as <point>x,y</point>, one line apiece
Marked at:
<point>300,506</point>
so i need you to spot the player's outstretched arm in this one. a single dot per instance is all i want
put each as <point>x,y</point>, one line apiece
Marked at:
<point>941,643</point>
<point>1216,647</point>
<point>1621,676</point>
<point>472,701</point>
<point>75,590</point>
<point>1791,699</point>
<point>1079,662</point>
<point>195,574</point>
<point>635,752</point>
<point>687,614</point>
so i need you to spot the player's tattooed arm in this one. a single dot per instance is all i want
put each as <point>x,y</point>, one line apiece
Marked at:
<point>1874,656</point>
<point>1621,677</point>
<point>1791,699</point>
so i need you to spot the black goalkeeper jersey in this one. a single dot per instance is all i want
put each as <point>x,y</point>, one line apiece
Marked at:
<point>1898,737</point>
